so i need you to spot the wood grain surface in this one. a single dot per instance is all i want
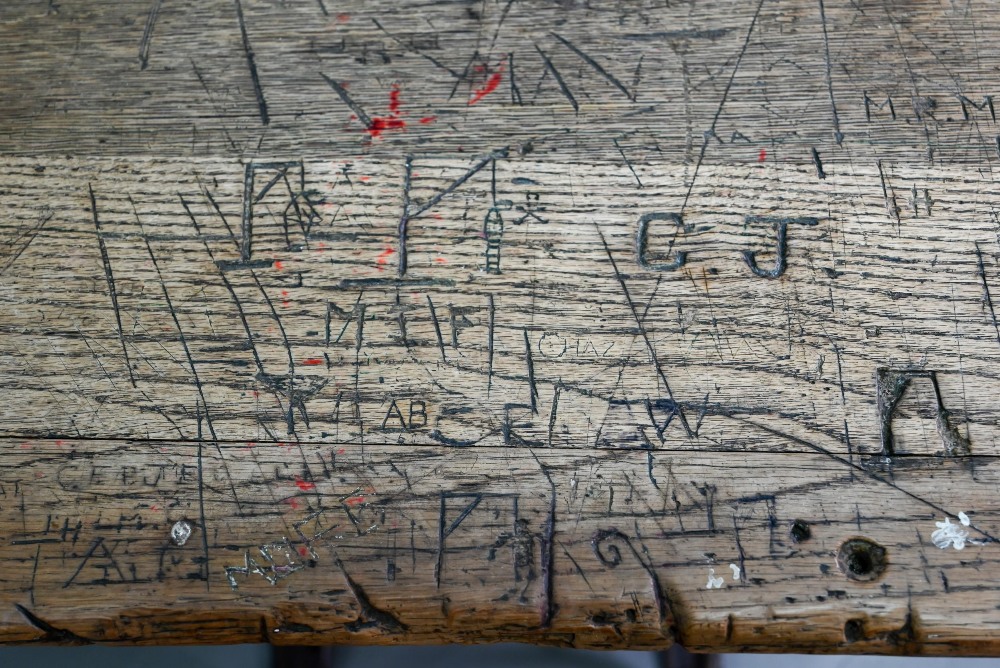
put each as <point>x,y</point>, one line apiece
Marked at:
<point>596,324</point>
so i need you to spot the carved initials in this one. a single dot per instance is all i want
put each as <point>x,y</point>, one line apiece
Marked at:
<point>890,386</point>
<point>641,240</point>
<point>781,225</point>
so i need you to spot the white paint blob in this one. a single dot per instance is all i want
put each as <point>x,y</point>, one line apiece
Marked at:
<point>180,532</point>
<point>951,535</point>
<point>736,572</point>
<point>714,582</point>
<point>964,519</point>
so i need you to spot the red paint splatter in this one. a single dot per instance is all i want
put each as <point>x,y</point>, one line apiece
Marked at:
<point>303,552</point>
<point>154,507</point>
<point>490,86</point>
<point>341,451</point>
<point>251,444</point>
<point>304,485</point>
<point>60,443</point>
<point>441,260</point>
<point>279,265</point>
<point>365,179</point>
<point>763,155</point>
<point>293,502</point>
<point>312,361</point>
<point>343,18</point>
<point>381,124</point>
<point>428,119</point>
<point>285,301</point>
<point>354,500</point>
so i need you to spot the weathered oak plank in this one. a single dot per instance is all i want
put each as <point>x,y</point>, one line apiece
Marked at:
<point>328,544</point>
<point>603,326</point>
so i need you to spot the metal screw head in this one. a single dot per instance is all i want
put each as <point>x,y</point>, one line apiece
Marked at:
<point>180,532</point>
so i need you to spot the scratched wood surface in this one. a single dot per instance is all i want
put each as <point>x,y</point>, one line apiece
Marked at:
<point>596,324</point>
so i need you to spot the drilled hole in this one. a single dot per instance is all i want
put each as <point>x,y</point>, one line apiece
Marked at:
<point>854,630</point>
<point>800,531</point>
<point>861,559</point>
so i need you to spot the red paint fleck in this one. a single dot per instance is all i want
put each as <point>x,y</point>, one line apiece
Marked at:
<point>303,552</point>
<point>365,179</point>
<point>394,101</point>
<point>293,502</point>
<point>383,257</point>
<point>343,18</point>
<point>304,485</point>
<point>490,86</point>
<point>341,451</point>
<point>441,260</point>
<point>438,216</point>
<point>154,507</point>
<point>285,301</point>
<point>763,155</point>
<point>279,265</point>
<point>60,443</point>
<point>354,500</point>
<point>251,444</point>
<point>312,361</point>
<point>428,119</point>
<point>26,446</point>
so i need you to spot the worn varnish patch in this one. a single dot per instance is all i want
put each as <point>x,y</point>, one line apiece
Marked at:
<point>606,327</point>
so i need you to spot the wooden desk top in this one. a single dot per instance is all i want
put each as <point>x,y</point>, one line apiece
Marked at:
<point>597,324</point>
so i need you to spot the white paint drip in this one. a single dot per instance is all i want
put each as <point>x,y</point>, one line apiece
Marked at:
<point>964,519</point>
<point>714,582</point>
<point>951,535</point>
<point>736,572</point>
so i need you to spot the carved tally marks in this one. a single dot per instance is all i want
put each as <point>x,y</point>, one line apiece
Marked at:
<point>780,224</point>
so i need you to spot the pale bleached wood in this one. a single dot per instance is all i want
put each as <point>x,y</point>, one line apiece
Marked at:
<point>210,335</point>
